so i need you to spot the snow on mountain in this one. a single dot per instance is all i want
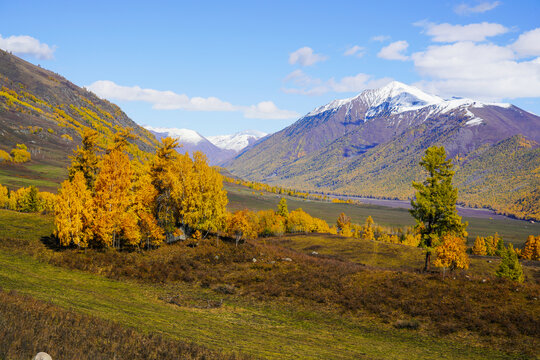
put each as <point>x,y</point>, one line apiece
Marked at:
<point>396,97</point>
<point>238,141</point>
<point>183,135</point>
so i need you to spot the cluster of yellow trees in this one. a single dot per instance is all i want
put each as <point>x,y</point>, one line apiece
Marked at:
<point>531,250</point>
<point>491,245</point>
<point>26,199</point>
<point>112,201</point>
<point>19,154</point>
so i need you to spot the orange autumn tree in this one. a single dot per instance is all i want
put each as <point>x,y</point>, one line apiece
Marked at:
<point>531,250</point>
<point>452,253</point>
<point>208,203</point>
<point>74,213</point>
<point>115,218</point>
<point>163,172</point>
<point>144,198</point>
<point>479,247</point>
<point>368,229</point>
<point>86,158</point>
<point>242,225</point>
<point>343,225</point>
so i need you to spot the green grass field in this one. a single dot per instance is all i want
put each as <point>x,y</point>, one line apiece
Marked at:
<point>272,330</point>
<point>515,231</point>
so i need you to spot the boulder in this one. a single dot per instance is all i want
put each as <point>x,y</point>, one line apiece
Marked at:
<point>42,356</point>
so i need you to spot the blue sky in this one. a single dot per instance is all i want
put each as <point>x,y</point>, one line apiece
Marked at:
<point>221,67</point>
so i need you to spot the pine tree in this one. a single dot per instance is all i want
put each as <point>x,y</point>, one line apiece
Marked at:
<point>479,247</point>
<point>510,267</point>
<point>434,205</point>
<point>282,208</point>
<point>531,250</point>
<point>86,158</point>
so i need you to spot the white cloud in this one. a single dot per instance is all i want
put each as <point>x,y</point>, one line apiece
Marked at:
<point>528,44</point>
<point>169,100</point>
<point>356,50</point>
<point>305,57</point>
<point>268,110</point>
<point>380,38</point>
<point>481,71</point>
<point>394,51</point>
<point>453,33</point>
<point>305,85</point>
<point>465,9</point>
<point>27,45</point>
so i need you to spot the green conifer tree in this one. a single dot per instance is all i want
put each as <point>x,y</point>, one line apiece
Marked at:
<point>510,267</point>
<point>434,204</point>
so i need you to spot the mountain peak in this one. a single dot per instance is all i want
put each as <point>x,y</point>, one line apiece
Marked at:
<point>237,141</point>
<point>185,135</point>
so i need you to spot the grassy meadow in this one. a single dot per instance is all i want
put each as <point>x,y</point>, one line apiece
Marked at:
<point>354,299</point>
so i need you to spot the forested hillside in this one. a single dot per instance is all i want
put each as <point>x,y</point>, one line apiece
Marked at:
<point>48,114</point>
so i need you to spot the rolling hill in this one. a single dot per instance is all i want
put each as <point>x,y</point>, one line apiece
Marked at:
<point>370,145</point>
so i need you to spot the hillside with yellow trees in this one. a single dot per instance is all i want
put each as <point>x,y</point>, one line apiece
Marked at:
<point>42,119</point>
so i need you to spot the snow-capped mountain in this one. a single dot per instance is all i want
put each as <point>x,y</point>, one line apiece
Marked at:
<point>238,141</point>
<point>218,149</point>
<point>370,144</point>
<point>184,136</point>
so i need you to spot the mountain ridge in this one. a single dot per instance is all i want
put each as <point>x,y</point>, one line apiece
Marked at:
<point>366,146</point>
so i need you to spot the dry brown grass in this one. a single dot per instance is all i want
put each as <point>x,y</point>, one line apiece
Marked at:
<point>28,326</point>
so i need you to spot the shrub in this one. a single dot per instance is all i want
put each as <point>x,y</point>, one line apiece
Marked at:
<point>20,154</point>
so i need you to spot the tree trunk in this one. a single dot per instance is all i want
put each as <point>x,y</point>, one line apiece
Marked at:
<point>428,258</point>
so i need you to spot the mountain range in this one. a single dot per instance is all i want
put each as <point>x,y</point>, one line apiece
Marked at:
<point>218,149</point>
<point>370,145</point>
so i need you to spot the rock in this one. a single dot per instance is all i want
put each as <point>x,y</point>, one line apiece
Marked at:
<point>254,260</point>
<point>484,280</point>
<point>42,356</point>
<point>286,259</point>
<point>314,253</point>
<point>489,261</point>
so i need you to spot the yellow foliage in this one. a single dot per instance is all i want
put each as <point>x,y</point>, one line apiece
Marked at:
<point>74,213</point>
<point>531,250</point>
<point>47,201</point>
<point>270,223</point>
<point>4,197</point>
<point>66,137</point>
<point>20,154</point>
<point>242,225</point>
<point>4,156</point>
<point>113,198</point>
<point>479,247</point>
<point>452,253</point>
<point>300,221</point>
